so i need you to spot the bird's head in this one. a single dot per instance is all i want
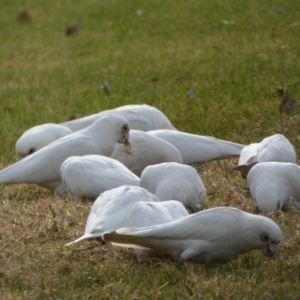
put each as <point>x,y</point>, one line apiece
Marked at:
<point>38,137</point>
<point>257,232</point>
<point>196,208</point>
<point>26,153</point>
<point>270,245</point>
<point>267,235</point>
<point>27,145</point>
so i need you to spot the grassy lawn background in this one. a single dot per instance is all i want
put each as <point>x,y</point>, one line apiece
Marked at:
<point>235,55</point>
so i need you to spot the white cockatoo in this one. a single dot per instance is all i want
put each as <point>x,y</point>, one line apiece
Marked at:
<point>43,166</point>
<point>214,235</point>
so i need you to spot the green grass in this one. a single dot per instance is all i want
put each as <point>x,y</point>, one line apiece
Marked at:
<point>234,54</point>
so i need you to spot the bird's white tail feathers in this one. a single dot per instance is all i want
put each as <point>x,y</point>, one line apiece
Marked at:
<point>226,149</point>
<point>12,174</point>
<point>244,169</point>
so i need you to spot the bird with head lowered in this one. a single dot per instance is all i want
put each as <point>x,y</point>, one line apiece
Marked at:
<point>214,235</point>
<point>43,166</point>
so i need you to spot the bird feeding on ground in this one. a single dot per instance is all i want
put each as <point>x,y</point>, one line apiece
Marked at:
<point>197,149</point>
<point>173,181</point>
<point>273,184</point>
<point>214,235</point>
<point>38,137</point>
<point>111,209</point>
<point>273,148</point>
<point>140,116</point>
<point>91,175</point>
<point>145,214</point>
<point>43,166</point>
<point>146,150</point>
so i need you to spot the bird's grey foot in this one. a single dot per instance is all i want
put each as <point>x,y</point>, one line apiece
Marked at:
<point>180,263</point>
<point>100,240</point>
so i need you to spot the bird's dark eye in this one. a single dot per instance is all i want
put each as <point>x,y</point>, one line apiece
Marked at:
<point>278,204</point>
<point>32,150</point>
<point>264,237</point>
<point>124,128</point>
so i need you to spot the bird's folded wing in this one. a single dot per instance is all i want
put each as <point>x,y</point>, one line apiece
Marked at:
<point>206,225</point>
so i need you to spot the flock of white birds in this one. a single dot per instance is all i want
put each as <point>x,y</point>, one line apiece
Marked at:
<point>97,157</point>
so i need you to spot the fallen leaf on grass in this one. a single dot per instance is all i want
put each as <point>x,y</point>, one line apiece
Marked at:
<point>288,104</point>
<point>72,30</point>
<point>154,79</point>
<point>181,79</point>
<point>190,94</point>
<point>106,88</point>
<point>274,34</point>
<point>23,16</point>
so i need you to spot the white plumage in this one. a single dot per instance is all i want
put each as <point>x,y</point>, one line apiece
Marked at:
<point>91,175</point>
<point>141,117</point>
<point>38,137</point>
<point>173,181</point>
<point>213,235</point>
<point>273,148</point>
<point>145,214</point>
<point>198,149</point>
<point>111,209</point>
<point>273,184</point>
<point>43,166</point>
<point>146,150</point>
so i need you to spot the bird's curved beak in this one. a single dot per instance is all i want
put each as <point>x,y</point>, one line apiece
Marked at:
<point>124,138</point>
<point>197,208</point>
<point>270,249</point>
<point>20,156</point>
